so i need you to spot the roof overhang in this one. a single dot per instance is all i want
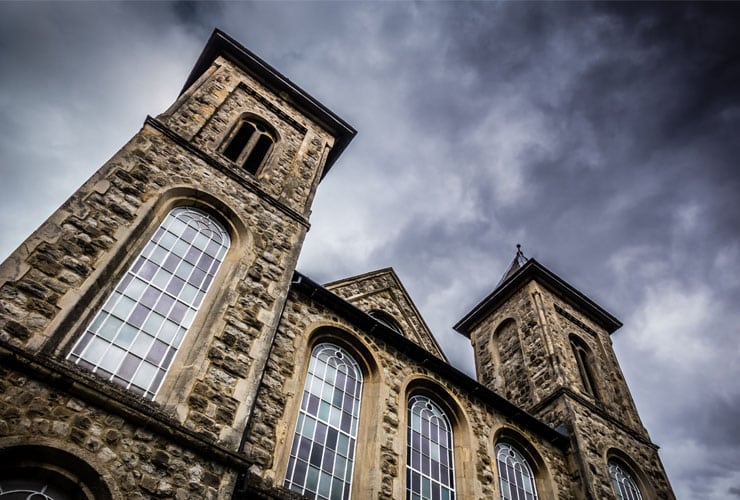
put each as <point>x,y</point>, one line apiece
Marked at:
<point>534,271</point>
<point>221,44</point>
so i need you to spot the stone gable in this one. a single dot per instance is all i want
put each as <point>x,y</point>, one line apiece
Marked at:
<point>383,291</point>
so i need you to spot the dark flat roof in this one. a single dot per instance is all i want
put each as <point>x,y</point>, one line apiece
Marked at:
<point>221,44</point>
<point>534,271</point>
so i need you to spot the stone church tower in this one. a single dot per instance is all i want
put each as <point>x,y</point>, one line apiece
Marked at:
<point>165,274</point>
<point>156,340</point>
<point>546,347</point>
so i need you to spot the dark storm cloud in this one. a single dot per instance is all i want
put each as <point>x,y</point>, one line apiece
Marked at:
<point>627,114</point>
<point>603,137</point>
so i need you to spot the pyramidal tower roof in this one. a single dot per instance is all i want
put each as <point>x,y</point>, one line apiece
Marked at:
<point>516,264</point>
<point>522,271</point>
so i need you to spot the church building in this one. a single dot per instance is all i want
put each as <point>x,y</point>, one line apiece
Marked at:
<point>157,341</point>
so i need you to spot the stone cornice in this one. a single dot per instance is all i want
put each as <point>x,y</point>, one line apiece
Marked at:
<point>567,392</point>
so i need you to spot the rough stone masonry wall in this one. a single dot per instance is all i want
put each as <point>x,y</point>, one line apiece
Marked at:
<point>380,460</point>
<point>137,463</point>
<point>598,436</point>
<point>613,394</point>
<point>208,111</point>
<point>525,374</point>
<point>600,423</point>
<point>73,263</point>
<point>541,337</point>
<point>381,293</point>
<point>52,285</point>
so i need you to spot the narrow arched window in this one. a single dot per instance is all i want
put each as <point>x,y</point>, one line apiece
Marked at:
<point>624,484</point>
<point>249,143</point>
<point>322,455</point>
<point>515,475</point>
<point>134,337</point>
<point>583,360</point>
<point>430,468</point>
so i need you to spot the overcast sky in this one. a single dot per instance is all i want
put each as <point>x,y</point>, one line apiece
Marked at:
<point>604,138</point>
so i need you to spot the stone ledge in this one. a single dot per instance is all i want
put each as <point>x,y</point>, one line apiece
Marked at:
<point>96,392</point>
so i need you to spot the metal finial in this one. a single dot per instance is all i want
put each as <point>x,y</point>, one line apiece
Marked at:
<point>520,258</point>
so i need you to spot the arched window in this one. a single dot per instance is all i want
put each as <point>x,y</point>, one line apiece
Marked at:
<point>624,484</point>
<point>249,143</point>
<point>516,380</point>
<point>35,483</point>
<point>43,473</point>
<point>134,337</point>
<point>583,359</point>
<point>430,469</point>
<point>515,475</point>
<point>386,319</point>
<point>323,450</point>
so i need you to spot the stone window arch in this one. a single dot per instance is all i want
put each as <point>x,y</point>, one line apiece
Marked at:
<point>386,319</point>
<point>133,339</point>
<point>512,372</point>
<point>44,473</point>
<point>321,463</point>
<point>521,470</point>
<point>585,363</point>
<point>249,143</point>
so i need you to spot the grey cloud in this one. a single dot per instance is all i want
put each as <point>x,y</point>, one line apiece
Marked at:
<point>601,136</point>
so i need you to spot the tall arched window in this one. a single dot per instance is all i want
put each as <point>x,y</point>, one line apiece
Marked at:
<point>249,143</point>
<point>515,475</point>
<point>583,359</point>
<point>323,450</point>
<point>134,337</point>
<point>430,469</point>
<point>624,484</point>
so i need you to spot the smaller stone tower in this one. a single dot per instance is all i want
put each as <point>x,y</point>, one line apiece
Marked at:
<point>546,347</point>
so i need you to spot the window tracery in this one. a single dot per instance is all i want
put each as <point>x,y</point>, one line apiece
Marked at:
<point>430,469</point>
<point>134,337</point>
<point>516,477</point>
<point>624,484</point>
<point>322,456</point>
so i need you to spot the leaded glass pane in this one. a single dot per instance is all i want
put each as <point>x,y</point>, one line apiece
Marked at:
<point>515,475</point>
<point>624,485</point>
<point>430,467</point>
<point>152,306</point>
<point>322,454</point>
